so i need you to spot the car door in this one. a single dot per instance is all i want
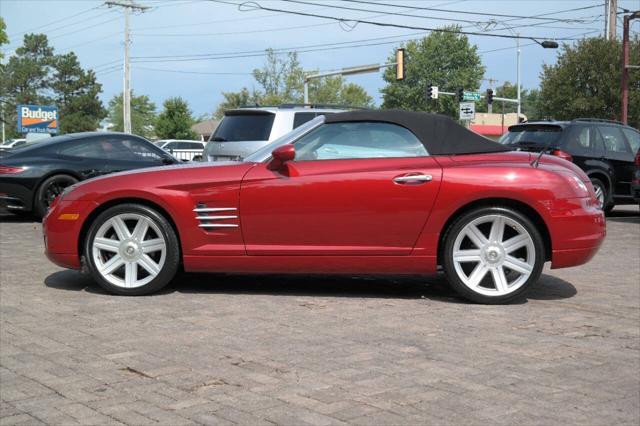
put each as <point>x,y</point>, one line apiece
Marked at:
<point>85,156</point>
<point>353,189</point>
<point>618,153</point>
<point>584,144</point>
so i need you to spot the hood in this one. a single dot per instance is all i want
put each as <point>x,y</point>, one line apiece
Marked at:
<point>190,176</point>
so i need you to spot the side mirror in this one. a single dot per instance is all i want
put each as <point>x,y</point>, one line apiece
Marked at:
<point>281,156</point>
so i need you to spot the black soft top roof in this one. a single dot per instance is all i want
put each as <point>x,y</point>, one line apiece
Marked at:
<point>438,133</point>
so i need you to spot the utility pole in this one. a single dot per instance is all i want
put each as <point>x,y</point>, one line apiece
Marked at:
<point>626,23</point>
<point>613,7</point>
<point>128,6</point>
<point>606,19</point>
<point>518,79</point>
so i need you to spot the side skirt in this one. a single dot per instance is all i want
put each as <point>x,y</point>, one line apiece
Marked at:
<point>312,264</point>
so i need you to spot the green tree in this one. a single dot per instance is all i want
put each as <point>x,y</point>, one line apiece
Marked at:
<point>175,121</point>
<point>143,115</point>
<point>4,39</point>
<point>444,59</point>
<point>35,75</point>
<point>281,80</point>
<point>585,81</point>
<point>25,78</point>
<point>76,95</point>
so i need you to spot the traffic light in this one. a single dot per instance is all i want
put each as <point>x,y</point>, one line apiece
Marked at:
<point>489,96</point>
<point>429,92</point>
<point>460,93</point>
<point>400,64</point>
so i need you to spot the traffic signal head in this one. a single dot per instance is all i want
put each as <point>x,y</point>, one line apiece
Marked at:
<point>429,92</point>
<point>460,93</point>
<point>489,96</point>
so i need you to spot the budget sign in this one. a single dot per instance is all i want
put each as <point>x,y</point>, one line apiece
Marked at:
<point>37,119</point>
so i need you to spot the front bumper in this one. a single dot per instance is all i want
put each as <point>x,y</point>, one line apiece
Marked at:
<point>62,228</point>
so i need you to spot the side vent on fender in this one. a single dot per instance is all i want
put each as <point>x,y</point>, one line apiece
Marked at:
<point>216,217</point>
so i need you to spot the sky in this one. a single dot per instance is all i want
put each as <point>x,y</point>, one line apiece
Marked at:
<point>171,29</point>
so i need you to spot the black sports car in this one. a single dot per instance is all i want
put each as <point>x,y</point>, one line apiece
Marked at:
<point>32,176</point>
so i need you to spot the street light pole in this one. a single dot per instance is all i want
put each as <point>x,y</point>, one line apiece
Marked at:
<point>518,79</point>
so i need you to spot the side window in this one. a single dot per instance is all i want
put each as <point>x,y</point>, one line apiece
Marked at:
<point>580,140</point>
<point>194,145</point>
<point>132,150</point>
<point>299,118</point>
<point>91,148</point>
<point>359,140</point>
<point>172,145</point>
<point>613,139</point>
<point>633,137</point>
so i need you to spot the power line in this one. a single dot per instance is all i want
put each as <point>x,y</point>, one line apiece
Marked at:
<point>386,24</point>
<point>434,9</point>
<point>54,22</point>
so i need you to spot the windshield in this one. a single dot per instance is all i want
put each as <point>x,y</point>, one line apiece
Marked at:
<point>265,152</point>
<point>244,127</point>
<point>531,136</point>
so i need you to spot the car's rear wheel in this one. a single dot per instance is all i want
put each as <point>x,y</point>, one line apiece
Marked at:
<point>493,255</point>
<point>602,194</point>
<point>132,249</point>
<point>49,190</point>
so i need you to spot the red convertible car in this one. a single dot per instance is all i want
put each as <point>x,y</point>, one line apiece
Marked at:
<point>365,192</point>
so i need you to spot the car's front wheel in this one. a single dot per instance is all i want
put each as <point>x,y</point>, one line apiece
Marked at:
<point>132,249</point>
<point>49,190</point>
<point>493,255</point>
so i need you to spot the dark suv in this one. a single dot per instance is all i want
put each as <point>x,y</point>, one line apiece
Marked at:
<point>604,149</point>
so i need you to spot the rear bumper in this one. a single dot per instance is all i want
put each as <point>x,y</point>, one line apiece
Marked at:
<point>578,229</point>
<point>62,227</point>
<point>15,197</point>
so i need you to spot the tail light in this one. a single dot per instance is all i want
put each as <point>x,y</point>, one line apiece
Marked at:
<point>9,170</point>
<point>638,158</point>
<point>562,154</point>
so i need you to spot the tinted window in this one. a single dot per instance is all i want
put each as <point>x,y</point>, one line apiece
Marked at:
<point>536,136</point>
<point>583,139</point>
<point>633,137</point>
<point>613,139</point>
<point>172,145</point>
<point>359,140</point>
<point>132,150</point>
<point>245,127</point>
<point>114,149</point>
<point>299,118</point>
<point>194,145</point>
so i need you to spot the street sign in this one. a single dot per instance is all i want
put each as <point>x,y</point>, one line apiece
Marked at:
<point>471,96</point>
<point>37,119</point>
<point>467,110</point>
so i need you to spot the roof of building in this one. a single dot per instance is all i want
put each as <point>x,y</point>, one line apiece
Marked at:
<point>205,127</point>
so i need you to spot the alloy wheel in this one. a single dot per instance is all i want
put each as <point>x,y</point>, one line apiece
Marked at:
<point>494,255</point>
<point>129,250</point>
<point>599,195</point>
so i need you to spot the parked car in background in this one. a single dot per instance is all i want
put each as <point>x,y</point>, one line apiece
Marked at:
<point>364,192</point>
<point>12,143</point>
<point>185,150</point>
<point>32,176</point>
<point>244,130</point>
<point>604,149</point>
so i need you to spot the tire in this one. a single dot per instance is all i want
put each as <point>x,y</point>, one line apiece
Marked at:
<point>602,194</point>
<point>483,256</point>
<point>132,250</point>
<point>48,191</point>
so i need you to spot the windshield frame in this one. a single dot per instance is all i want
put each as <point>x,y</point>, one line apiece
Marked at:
<point>264,153</point>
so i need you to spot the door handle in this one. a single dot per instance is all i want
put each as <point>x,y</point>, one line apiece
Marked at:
<point>413,178</point>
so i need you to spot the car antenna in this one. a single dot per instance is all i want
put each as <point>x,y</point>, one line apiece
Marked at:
<point>535,162</point>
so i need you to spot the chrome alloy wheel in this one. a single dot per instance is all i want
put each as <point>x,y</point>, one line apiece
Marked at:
<point>599,195</point>
<point>494,255</point>
<point>129,250</point>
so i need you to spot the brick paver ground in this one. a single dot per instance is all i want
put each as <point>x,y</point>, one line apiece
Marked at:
<point>318,350</point>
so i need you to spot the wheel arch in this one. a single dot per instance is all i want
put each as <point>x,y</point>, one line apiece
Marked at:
<point>46,176</point>
<point>519,206</point>
<point>604,177</point>
<point>117,201</point>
